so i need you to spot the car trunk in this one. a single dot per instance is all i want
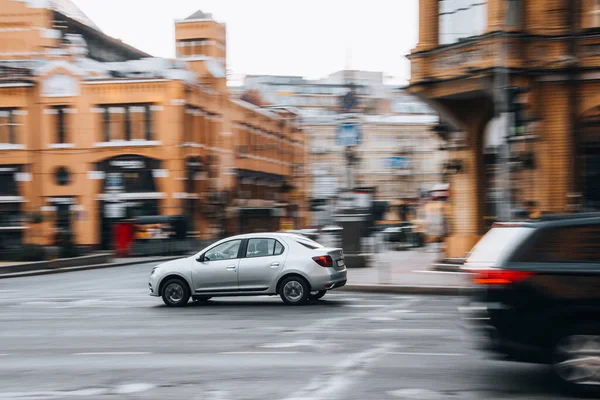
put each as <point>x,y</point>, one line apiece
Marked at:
<point>337,255</point>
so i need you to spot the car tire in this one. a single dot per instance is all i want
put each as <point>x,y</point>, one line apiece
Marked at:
<point>317,295</point>
<point>175,293</point>
<point>571,345</point>
<point>201,299</point>
<point>294,290</point>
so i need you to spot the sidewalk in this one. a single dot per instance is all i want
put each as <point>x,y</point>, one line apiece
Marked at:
<point>397,272</point>
<point>408,271</point>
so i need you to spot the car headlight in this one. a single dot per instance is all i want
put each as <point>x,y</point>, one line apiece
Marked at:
<point>154,270</point>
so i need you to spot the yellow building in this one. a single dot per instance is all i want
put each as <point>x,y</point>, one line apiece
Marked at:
<point>93,131</point>
<point>466,58</point>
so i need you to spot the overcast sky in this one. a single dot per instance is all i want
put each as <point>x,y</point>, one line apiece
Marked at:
<point>286,37</point>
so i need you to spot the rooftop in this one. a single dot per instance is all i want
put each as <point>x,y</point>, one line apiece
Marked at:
<point>69,9</point>
<point>199,15</point>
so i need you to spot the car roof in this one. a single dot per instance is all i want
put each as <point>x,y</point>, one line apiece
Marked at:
<point>263,234</point>
<point>556,220</point>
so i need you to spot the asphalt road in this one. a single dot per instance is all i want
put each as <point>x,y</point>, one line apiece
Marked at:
<point>97,335</point>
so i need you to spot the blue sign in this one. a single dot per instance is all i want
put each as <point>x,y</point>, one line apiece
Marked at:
<point>348,135</point>
<point>398,162</point>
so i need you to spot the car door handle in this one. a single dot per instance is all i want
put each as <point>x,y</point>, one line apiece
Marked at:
<point>275,264</point>
<point>231,268</point>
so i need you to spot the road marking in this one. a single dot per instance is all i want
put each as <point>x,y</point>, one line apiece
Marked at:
<point>133,388</point>
<point>112,353</point>
<point>381,319</point>
<point>301,343</point>
<point>366,305</point>
<point>425,271</point>
<point>332,386</point>
<point>403,353</point>
<point>258,352</point>
<point>4,354</point>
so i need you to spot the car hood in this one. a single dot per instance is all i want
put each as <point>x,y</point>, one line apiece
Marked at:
<point>172,265</point>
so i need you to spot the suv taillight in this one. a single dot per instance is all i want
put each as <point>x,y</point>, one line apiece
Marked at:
<point>324,261</point>
<point>498,276</point>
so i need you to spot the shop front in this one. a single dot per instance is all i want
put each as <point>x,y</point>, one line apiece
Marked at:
<point>12,221</point>
<point>129,191</point>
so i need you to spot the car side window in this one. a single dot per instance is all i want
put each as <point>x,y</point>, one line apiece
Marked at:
<point>572,244</point>
<point>224,251</point>
<point>260,247</point>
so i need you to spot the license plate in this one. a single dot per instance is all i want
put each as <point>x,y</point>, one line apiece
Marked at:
<point>340,263</point>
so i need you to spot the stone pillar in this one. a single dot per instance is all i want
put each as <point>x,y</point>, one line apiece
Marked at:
<point>428,25</point>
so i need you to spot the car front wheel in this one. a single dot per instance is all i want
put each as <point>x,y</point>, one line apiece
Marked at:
<point>576,359</point>
<point>294,290</point>
<point>175,293</point>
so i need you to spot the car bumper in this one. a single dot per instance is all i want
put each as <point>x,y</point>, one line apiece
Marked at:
<point>486,337</point>
<point>332,280</point>
<point>153,286</point>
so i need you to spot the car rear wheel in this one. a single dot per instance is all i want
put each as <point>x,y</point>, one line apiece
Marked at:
<point>316,295</point>
<point>176,293</point>
<point>294,290</point>
<point>576,359</point>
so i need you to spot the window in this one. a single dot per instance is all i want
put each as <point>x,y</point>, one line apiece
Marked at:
<point>461,19</point>
<point>59,113</point>
<point>224,251</point>
<point>596,14</point>
<point>513,17</point>
<point>574,244</point>
<point>130,122</point>
<point>497,244</point>
<point>263,248</point>
<point>9,126</point>
<point>62,176</point>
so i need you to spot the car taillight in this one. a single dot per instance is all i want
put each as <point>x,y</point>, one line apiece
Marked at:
<point>324,261</point>
<point>498,276</point>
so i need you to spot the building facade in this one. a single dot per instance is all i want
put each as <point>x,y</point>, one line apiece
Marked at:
<point>399,154</point>
<point>93,131</point>
<point>517,85</point>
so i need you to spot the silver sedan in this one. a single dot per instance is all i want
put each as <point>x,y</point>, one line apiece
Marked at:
<point>289,265</point>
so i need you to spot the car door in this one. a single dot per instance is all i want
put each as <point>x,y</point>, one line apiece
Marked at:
<point>216,270</point>
<point>261,264</point>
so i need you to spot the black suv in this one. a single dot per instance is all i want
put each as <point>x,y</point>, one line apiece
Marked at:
<point>537,295</point>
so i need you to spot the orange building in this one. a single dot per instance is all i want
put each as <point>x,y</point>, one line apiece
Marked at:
<point>93,131</point>
<point>540,152</point>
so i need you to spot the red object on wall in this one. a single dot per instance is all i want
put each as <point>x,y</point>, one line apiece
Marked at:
<point>123,235</point>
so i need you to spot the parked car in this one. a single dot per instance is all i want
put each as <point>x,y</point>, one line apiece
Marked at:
<point>289,265</point>
<point>537,295</point>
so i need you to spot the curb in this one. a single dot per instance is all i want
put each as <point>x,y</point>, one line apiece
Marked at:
<point>405,289</point>
<point>447,267</point>
<point>85,267</point>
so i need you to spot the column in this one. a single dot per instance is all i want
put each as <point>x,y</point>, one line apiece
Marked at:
<point>428,25</point>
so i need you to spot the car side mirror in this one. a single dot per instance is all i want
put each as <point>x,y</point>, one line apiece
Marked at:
<point>200,258</point>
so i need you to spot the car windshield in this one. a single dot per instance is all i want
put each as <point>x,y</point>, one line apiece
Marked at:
<point>497,243</point>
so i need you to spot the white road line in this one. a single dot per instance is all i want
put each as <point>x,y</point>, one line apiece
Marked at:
<point>402,353</point>
<point>333,385</point>
<point>366,305</point>
<point>258,352</point>
<point>4,354</point>
<point>113,353</point>
<point>439,272</point>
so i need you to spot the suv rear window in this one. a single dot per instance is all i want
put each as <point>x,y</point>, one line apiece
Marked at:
<point>495,245</point>
<point>568,244</point>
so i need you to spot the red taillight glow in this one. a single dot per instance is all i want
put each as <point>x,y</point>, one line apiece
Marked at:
<point>324,261</point>
<point>498,276</point>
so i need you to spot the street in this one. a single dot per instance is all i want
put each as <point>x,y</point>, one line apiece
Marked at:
<point>97,334</point>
